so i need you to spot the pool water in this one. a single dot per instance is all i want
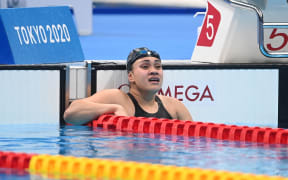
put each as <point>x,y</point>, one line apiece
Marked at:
<point>83,141</point>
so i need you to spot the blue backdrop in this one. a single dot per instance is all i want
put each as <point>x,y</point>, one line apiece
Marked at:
<point>170,31</point>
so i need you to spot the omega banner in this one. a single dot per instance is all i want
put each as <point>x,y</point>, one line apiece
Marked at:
<point>230,96</point>
<point>38,35</point>
<point>243,97</point>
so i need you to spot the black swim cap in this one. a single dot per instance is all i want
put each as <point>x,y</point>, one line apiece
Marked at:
<point>139,53</point>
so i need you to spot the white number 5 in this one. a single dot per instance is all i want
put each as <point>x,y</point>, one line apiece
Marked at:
<point>210,25</point>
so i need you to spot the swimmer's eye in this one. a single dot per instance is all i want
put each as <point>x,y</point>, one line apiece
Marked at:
<point>144,66</point>
<point>158,66</point>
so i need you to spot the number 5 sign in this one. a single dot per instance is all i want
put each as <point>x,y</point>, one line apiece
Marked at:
<point>209,27</point>
<point>275,40</point>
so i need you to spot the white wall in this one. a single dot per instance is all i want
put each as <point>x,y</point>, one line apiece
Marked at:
<point>30,96</point>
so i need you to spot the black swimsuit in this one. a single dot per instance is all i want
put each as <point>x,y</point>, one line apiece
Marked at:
<point>139,112</point>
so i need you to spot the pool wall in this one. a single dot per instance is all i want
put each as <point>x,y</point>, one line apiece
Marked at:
<point>242,94</point>
<point>33,94</point>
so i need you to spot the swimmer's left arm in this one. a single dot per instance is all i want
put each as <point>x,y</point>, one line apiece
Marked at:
<point>182,112</point>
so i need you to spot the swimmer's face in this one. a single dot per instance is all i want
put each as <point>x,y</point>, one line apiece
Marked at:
<point>147,74</point>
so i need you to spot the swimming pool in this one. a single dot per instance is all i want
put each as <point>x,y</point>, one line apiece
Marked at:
<point>193,152</point>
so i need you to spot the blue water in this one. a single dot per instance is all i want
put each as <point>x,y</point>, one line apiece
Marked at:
<point>203,153</point>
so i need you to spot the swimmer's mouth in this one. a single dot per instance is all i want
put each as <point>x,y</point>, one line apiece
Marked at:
<point>154,79</point>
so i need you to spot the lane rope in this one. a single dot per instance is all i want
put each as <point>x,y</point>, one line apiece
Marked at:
<point>69,167</point>
<point>192,128</point>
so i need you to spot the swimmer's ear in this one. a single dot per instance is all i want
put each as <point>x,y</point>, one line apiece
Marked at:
<point>130,76</point>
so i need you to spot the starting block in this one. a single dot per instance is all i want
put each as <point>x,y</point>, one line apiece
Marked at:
<point>243,31</point>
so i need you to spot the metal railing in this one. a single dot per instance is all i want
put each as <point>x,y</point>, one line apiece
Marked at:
<point>262,26</point>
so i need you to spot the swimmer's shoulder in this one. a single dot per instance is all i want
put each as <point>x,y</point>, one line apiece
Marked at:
<point>109,96</point>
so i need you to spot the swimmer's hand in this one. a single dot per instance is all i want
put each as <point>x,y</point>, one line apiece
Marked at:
<point>82,111</point>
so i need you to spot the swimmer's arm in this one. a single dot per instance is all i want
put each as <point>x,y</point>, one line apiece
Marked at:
<point>85,110</point>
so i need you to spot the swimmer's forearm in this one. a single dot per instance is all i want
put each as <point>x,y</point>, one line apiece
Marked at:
<point>81,112</point>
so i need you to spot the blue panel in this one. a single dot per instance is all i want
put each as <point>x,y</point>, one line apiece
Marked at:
<point>38,35</point>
